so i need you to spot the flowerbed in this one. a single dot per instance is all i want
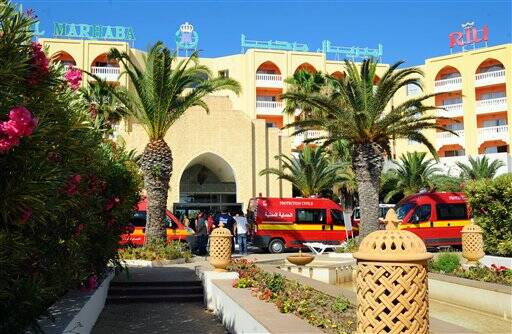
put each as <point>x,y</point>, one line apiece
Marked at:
<point>449,264</point>
<point>157,251</point>
<point>67,193</point>
<point>332,315</point>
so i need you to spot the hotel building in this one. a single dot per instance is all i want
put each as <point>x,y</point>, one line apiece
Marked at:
<point>218,156</point>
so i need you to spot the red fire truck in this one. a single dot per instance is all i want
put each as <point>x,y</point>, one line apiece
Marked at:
<point>436,217</point>
<point>280,223</point>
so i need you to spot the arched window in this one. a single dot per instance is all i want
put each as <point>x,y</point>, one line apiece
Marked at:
<point>306,67</point>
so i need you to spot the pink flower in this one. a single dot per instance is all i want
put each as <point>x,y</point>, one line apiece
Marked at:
<point>113,202</point>
<point>39,64</point>
<point>25,216</point>
<point>72,186</point>
<point>79,229</point>
<point>21,123</point>
<point>74,78</point>
<point>22,120</point>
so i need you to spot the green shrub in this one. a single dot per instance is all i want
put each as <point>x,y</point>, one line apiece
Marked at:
<point>491,204</point>
<point>157,251</point>
<point>340,305</point>
<point>66,193</point>
<point>351,246</point>
<point>275,282</point>
<point>446,263</point>
<point>499,275</point>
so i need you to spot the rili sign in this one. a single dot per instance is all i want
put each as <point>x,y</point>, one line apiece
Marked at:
<point>469,37</point>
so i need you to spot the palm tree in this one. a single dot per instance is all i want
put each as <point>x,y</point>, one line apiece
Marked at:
<point>303,82</point>
<point>163,89</point>
<point>366,117</point>
<point>340,153</point>
<point>413,173</point>
<point>105,108</point>
<point>479,168</point>
<point>310,171</point>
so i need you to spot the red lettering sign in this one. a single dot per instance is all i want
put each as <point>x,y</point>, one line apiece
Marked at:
<point>471,35</point>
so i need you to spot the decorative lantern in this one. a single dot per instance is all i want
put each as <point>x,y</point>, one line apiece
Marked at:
<point>472,243</point>
<point>391,278</point>
<point>220,248</point>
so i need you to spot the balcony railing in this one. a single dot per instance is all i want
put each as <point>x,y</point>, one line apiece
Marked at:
<point>449,164</point>
<point>448,138</point>
<point>491,105</point>
<point>448,85</point>
<point>269,107</point>
<point>269,80</point>
<point>106,73</point>
<point>310,134</point>
<point>451,110</point>
<point>489,78</point>
<point>493,133</point>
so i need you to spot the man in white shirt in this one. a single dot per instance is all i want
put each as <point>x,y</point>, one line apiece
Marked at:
<point>241,232</point>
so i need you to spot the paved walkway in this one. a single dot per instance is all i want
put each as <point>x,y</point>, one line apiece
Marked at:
<point>176,318</point>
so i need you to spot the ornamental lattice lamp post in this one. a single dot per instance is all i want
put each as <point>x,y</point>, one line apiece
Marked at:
<point>220,248</point>
<point>472,243</point>
<point>391,278</point>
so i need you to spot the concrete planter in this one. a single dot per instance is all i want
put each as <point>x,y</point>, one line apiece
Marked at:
<point>488,260</point>
<point>77,311</point>
<point>156,263</point>
<point>481,296</point>
<point>240,312</point>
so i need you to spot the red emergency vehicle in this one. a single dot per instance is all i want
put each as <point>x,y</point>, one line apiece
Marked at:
<point>436,217</point>
<point>175,229</point>
<point>280,223</point>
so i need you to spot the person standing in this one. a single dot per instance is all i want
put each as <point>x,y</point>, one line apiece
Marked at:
<point>241,232</point>
<point>228,222</point>
<point>202,233</point>
<point>186,221</point>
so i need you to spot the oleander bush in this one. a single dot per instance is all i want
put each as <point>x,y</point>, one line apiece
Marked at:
<point>66,193</point>
<point>491,204</point>
<point>331,314</point>
<point>157,250</point>
<point>349,246</point>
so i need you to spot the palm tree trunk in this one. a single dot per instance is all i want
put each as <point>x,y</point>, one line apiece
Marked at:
<point>156,164</point>
<point>367,161</point>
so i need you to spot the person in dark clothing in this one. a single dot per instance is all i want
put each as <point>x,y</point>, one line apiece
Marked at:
<point>202,233</point>
<point>228,222</point>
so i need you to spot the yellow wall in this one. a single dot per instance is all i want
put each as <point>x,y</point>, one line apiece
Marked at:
<point>232,130</point>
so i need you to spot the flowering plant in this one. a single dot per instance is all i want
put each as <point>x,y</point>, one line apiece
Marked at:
<point>21,123</point>
<point>73,77</point>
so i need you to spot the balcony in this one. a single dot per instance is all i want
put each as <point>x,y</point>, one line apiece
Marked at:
<point>448,138</point>
<point>493,133</point>
<point>491,105</point>
<point>269,80</point>
<point>269,108</point>
<point>310,134</point>
<point>451,110</point>
<point>448,85</point>
<point>106,73</point>
<point>449,164</point>
<point>489,78</point>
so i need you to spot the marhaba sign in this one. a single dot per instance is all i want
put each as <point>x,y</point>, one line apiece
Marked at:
<point>92,31</point>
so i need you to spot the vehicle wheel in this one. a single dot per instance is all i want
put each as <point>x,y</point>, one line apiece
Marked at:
<point>276,246</point>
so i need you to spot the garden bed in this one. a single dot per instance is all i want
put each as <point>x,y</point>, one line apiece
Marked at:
<point>330,314</point>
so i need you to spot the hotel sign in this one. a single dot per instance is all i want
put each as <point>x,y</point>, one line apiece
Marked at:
<point>92,31</point>
<point>471,36</point>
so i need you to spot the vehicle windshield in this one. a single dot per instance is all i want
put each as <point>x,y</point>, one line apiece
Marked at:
<point>403,209</point>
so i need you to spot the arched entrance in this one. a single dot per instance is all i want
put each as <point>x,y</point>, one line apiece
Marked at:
<point>207,184</point>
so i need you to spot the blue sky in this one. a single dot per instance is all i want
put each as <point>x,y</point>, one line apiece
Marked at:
<point>409,30</point>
